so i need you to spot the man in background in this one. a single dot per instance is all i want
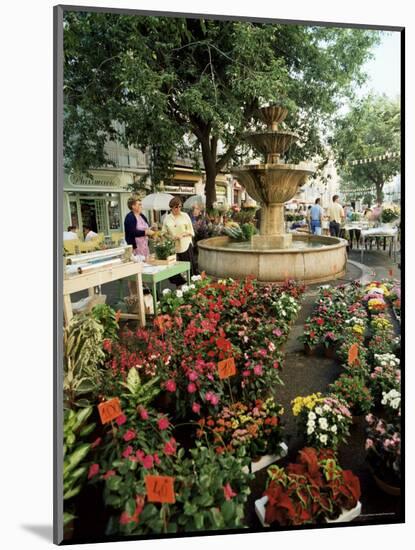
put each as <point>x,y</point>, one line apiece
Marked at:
<point>70,234</point>
<point>316,218</point>
<point>88,233</point>
<point>336,216</point>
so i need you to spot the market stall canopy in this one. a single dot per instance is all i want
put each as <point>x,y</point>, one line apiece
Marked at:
<point>199,200</point>
<point>157,201</point>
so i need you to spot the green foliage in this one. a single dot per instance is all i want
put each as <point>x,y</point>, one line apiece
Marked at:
<point>141,394</point>
<point>164,248</point>
<point>107,317</point>
<point>83,355</point>
<point>164,78</point>
<point>75,451</point>
<point>371,128</point>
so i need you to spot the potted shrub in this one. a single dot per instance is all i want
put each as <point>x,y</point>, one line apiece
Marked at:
<point>324,420</point>
<point>314,489</point>
<point>255,427</point>
<point>354,392</point>
<point>383,447</point>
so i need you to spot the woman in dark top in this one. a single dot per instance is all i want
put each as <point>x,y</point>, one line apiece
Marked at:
<point>136,228</point>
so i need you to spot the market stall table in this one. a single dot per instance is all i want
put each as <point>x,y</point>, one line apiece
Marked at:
<point>154,274</point>
<point>385,233</point>
<point>99,276</point>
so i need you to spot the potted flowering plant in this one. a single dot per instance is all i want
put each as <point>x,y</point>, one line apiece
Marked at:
<point>390,214</point>
<point>353,391</point>
<point>386,375</point>
<point>383,446</point>
<point>255,427</point>
<point>324,420</point>
<point>314,489</point>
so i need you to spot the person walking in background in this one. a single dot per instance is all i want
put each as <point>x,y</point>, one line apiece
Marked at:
<point>316,218</point>
<point>336,216</point>
<point>179,227</point>
<point>137,229</point>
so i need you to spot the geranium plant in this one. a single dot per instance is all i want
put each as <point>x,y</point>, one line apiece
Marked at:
<point>311,490</point>
<point>383,446</point>
<point>354,392</point>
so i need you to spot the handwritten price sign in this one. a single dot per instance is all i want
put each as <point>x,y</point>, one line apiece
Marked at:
<point>353,354</point>
<point>226,368</point>
<point>160,489</point>
<point>109,410</point>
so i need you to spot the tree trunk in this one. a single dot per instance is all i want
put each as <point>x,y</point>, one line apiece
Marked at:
<point>210,189</point>
<point>379,193</point>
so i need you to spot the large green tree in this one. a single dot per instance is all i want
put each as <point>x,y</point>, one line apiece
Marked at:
<point>193,85</point>
<point>369,130</point>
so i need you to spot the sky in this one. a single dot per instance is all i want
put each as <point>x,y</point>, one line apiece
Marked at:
<point>384,70</point>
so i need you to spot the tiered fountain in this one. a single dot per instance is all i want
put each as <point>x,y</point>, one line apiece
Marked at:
<point>274,255</point>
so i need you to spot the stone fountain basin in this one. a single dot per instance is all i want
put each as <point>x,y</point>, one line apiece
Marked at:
<point>312,259</point>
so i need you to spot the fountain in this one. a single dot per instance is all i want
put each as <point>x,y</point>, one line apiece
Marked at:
<point>274,255</point>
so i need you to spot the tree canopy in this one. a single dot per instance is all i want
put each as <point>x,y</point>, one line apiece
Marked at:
<point>370,130</point>
<point>154,81</point>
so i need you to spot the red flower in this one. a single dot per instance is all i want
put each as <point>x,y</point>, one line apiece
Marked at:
<point>107,345</point>
<point>109,474</point>
<point>126,453</point>
<point>163,423</point>
<point>129,435</point>
<point>156,458</point>
<point>170,447</point>
<point>125,518</point>
<point>196,408</point>
<point>223,344</point>
<point>148,461</point>
<point>93,470</point>
<point>120,420</point>
<point>319,321</point>
<point>140,455</point>
<point>170,385</point>
<point>143,414</point>
<point>228,492</point>
<point>191,388</point>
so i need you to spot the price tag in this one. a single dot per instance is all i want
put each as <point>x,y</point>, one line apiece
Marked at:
<point>109,410</point>
<point>160,489</point>
<point>353,354</point>
<point>226,368</point>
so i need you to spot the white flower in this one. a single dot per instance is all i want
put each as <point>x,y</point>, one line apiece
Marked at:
<point>334,428</point>
<point>323,438</point>
<point>310,430</point>
<point>179,293</point>
<point>185,288</point>
<point>319,411</point>
<point>166,291</point>
<point>311,415</point>
<point>339,417</point>
<point>192,287</point>
<point>326,408</point>
<point>196,277</point>
<point>311,424</point>
<point>323,423</point>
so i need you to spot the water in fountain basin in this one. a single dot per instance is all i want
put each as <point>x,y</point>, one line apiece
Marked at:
<point>296,244</point>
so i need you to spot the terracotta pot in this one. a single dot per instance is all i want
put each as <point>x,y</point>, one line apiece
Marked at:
<point>330,352</point>
<point>386,488</point>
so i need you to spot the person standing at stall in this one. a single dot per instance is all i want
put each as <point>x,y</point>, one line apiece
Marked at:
<point>179,228</point>
<point>316,218</point>
<point>336,216</point>
<point>136,228</point>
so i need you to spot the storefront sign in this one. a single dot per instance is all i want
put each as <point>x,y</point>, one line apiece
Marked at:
<point>86,181</point>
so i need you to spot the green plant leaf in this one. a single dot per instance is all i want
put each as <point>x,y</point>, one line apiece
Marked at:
<point>130,506</point>
<point>75,457</point>
<point>228,511</point>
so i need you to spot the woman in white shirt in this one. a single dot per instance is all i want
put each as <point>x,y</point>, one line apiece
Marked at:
<point>179,227</point>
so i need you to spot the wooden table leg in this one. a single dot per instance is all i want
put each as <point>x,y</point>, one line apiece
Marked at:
<point>67,308</point>
<point>141,310</point>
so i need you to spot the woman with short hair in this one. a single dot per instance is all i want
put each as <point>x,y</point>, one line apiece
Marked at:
<point>136,228</point>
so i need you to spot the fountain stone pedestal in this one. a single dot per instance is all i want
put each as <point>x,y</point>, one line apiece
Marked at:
<point>272,233</point>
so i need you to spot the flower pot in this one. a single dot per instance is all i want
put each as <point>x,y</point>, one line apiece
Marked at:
<point>386,487</point>
<point>330,352</point>
<point>345,516</point>
<point>309,350</point>
<point>264,461</point>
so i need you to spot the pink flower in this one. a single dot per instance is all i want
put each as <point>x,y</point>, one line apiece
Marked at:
<point>196,408</point>
<point>129,435</point>
<point>214,400</point>
<point>208,396</point>
<point>109,474</point>
<point>369,418</point>
<point>368,444</point>
<point>228,492</point>
<point>140,455</point>
<point>125,518</point>
<point>262,352</point>
<point>277,332</point>
<point>96,442</point>
<point>148,461</point>
<point>258,370</point>
<point>120,420</point>
<point>143,414</point>
<point>126,453</point>
<point>191,388</point>
<point>93,470</point>
<point>379,428</point>
<point>156,458</point>
<point>245,373</point>
<point>163,423</point>
<point>192,376</point>
<point>170,385</point>
<point>170,447</point>
<point>276,365</point>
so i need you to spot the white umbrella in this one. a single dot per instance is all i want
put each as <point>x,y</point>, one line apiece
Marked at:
<point>199,200</point>
<point>157,201</point>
